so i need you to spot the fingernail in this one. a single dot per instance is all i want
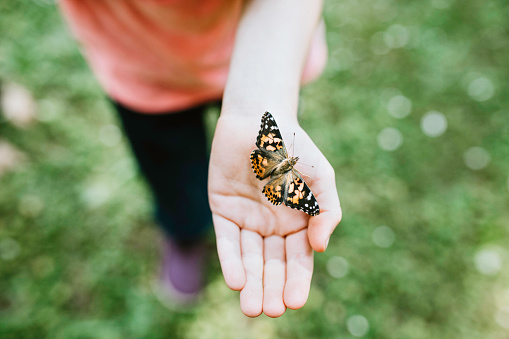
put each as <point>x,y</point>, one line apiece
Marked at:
<point>327,242</point>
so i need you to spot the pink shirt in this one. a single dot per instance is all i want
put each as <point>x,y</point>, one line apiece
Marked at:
<point>163,55</point>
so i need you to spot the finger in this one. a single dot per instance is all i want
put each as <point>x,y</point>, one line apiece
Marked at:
<point>322,225</point>
<point>251,296</point>
<point>274,276</point>
<point>228,249</point>
<point>299,269</point>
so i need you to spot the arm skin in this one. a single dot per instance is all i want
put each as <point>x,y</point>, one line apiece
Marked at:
<point>266,251</point>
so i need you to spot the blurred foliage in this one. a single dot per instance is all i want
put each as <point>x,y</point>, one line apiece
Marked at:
<point>78,250</point>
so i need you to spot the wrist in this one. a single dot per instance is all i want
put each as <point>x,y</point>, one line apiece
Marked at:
<point>249,94</point>
<point>253,113</point>
<point>268,58</point>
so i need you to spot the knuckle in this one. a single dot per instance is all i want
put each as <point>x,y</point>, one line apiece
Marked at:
<point>329,173</point>
<point>338,216</point>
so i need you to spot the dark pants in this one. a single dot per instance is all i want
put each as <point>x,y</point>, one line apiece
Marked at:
<point>171,149</point>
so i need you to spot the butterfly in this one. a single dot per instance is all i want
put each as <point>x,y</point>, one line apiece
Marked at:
<point>271,160</point>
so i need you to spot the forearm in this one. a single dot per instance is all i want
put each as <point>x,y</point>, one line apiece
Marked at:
<point>271,48</point>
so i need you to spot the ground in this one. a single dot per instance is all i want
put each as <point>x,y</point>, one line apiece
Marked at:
<point>412,112</point>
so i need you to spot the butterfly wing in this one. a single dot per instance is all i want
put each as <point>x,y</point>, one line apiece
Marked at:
<point>293,191</point>
<point>264,162</point>
<point>298,195</point>
<point>271,148</point>
<point>275,188</point>
<point>287,187</point>
<point>269,137</point>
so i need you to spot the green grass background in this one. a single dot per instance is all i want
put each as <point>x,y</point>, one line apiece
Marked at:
<point>76,215</point>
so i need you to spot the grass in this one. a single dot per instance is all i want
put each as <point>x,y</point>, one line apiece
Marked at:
<point>78,249</point>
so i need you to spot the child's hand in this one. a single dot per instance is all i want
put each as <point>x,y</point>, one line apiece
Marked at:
<point>265,250</point>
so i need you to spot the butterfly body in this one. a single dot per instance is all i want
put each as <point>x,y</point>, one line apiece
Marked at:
<point>271,160</point>
<point>285,165</point>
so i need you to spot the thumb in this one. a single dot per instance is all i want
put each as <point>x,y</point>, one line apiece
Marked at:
<point>321,226</point>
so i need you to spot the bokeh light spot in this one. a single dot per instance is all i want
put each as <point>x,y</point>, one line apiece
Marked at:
<point>110,135</point>
<point>501,297</point>
<point>502,317</point>
<point>30,206</point>
<point>434,36</point>
<point>17,104</point>
<point>481,89</point>
<point>124,169</point>
<point>390,139</point>
<point>385,10</point>
<point>342,59</point>
<point>95,195</point>
<point>396,36</point>
<point>399,106</point>
<point>476,158</point>
<point>441,4</point>
<point>383,236</point>
<point>357,325</point>
<point>337,267</point>
<point>433,124</point>
<point>488,261</point>
<point>10,157</point>
<point>9,249</point>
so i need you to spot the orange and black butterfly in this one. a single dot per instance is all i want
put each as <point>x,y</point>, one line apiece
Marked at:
<point>271,160</point>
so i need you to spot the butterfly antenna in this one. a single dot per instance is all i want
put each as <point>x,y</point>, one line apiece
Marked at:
<point>304,174</point>
<point>306,164</point>
<point>293,145</point>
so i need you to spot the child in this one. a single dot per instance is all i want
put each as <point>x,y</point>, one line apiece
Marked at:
<point>162,62</point>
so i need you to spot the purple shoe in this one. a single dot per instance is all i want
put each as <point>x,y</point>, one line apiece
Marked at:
<point>182,273</point>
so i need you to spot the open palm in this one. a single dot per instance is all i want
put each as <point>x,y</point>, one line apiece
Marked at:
<point>266,251</point>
